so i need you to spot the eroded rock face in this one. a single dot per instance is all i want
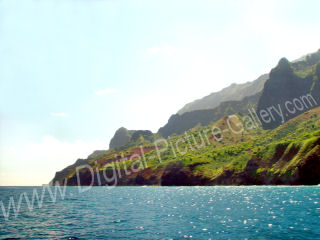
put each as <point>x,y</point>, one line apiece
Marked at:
<point>178,124</point>
<point>287,81</point>
<point>111,177</point>
<point>306,172</point>
<point>315,90</point>
<point>258,171</point>
<point>285,84</point>
<point>309,169</point>
<point>176,174</point>
<point>120,138</point>
<point>142,133</point>
<point>123,136</point>
<point>282,86</point>
<point>60,176</point>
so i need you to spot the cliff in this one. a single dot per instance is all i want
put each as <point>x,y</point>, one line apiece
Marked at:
<point>123,136</point>
<point>235,92</point>
<point>271,137</point>
<point>288,89</point>
<point>178,124</point>
<point>289,154</point>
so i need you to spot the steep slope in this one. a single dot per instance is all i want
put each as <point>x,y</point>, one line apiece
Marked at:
<point>289,87</point>
<point>315,88</point>
<point>60,176</point>
<point>235,92</point>
<point>287,82</point>
<point>216,149</point>
<point>178,124</point>
<point>120,138</point>
<point>124,136</point>
<point>289,154</point>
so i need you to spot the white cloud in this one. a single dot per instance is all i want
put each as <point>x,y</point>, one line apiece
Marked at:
<point>106,91</point>
<point>60,114</point>
<point>35,163</point>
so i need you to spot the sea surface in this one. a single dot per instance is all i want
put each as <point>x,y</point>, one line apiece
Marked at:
<point>255,212</point>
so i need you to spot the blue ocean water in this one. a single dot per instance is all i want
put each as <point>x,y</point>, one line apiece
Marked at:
<point>256,212</point>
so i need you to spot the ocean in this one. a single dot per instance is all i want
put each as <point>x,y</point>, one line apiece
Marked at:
<point>217,212</point>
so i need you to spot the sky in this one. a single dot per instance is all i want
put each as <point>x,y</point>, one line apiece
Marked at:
<point>74,71</point>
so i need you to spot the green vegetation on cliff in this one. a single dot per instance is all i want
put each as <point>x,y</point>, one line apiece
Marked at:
<point>270,137</point>
<point>254,156</point>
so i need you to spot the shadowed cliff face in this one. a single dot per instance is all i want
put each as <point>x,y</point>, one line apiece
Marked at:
<point>60,176</point>
<point>178,124</point>
<point>123,136</point>
<point>120,138</point>
<point>309,170</point>
<point>287,154</point>
<point>306,172</point>
<point>285,85</point>
<point>315,89</point>
<point>176,174</point>
<point>256,172</point>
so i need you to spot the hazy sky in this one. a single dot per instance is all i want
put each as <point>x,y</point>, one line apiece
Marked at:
<point>74,71</point>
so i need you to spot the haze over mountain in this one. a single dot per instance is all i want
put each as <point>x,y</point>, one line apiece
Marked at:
<point>288,86</point>
<point>294,79</point>
<point>73,72</point>
<point>247,149</point>
<point>178,124</point>
<point>235,92</point>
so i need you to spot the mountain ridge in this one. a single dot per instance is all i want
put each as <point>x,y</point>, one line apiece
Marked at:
<point>178,124</point>
<point>289,154</point>
<point>244,151</point>
<point>234,92</point>
<point>124,136</point>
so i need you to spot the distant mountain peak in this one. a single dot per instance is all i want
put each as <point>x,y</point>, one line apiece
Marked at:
<point>235,92</point>
<point>290,82</point>
<point>123,136</point>
<point>283,68</point>
<point>284,63</point>
<point>120,138</point>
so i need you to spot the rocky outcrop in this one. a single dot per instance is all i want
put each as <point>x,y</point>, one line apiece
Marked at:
<point>259,171</point>
<point>285,84</point>
<point>307,172</point>
<point>120,138</point>
<point>146,134</point>
<point>110,177</point>
<point>176,174</point>
<point>124,136</point>
<point>315,89</point>
<point>289,154</point>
